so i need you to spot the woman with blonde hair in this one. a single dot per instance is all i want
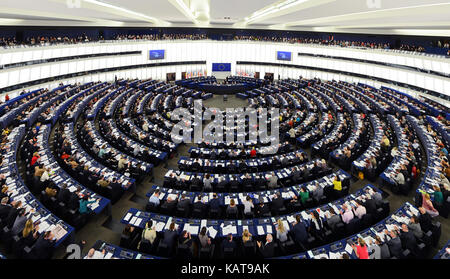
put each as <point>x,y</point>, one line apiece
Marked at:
<point>4,192</point>
<point>281,231</point>
<point>361,250</point>
<point>28,228</point>
<point>29,234</point>
<point>428,205</point>
<point>246,236</point>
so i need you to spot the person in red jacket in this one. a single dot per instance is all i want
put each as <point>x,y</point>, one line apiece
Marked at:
<point>361,249</point>
<point>291,123</point>
<point>6,98</point>
<point>65,156</point>
<point>414,172</point>
<point>34,159</point>
<point>253,153</point>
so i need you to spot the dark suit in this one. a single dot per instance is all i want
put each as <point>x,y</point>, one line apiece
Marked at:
<point>73,202</point>
<point>409,241</point>
<point>184,203</point>
<point>395,247</point>
<point>169,238</point>
<point>227,244</point>
<point>300,233</point>
<point>42,248</point>
<point>267,250</point>
<point>200,206</point>
<point>370,206</point>
<point>214,204</point>
<point>277,203</point>
<point>9,220</point>
<point>169,205</point>
<point>4,211</point>
<point>63,195</point>
<point>222,184</point>
<point>262,209</point>
<point>425,222</point>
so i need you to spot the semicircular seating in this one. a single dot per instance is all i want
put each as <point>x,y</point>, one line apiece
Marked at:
<point>99,140</point>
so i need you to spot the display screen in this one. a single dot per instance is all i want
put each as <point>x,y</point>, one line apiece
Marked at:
<point>221,67</point>
<point>284,55</point>
<point>157,54</point>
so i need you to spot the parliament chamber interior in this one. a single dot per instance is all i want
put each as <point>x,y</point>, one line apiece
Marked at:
<point>204,129</point>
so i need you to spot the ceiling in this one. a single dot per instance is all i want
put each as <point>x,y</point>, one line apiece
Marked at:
<point>402,17</point>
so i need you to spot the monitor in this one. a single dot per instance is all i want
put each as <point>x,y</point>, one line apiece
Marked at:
<point>157,54</point>
<point>284,55</point>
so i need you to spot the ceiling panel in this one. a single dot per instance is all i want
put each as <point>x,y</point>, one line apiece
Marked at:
<point>236,9</point>
<point>340,14</point>
<point>345,7</point>
<point>161,9</point>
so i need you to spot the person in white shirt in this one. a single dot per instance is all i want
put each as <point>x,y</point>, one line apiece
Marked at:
<point>154,199</point>
<point>207,183</point>
<point>145,127</point>
<point>360,210</point>
<point>46,175</point>
<point>346,214</point>
<point>394,151</point>
<point>248,205</point>
<point>399,178</point>
<point>273,181</point>
<point>136,150</point>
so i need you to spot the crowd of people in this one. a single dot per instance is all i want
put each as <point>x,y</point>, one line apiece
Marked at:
<point>46,40</point>
<point>156,37</point>
<point>331,41</point>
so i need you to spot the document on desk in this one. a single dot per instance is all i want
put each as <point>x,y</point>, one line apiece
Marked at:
<point>43,226</point>
<point>159,226</point>
<point>193,230</point>
<point>414,211</point>
<point>348,249</point>
<point>94,205</point>
<point>186,227</point>
<point>225,230</point>
<point>305,216</point>
<point>72,189</point>
<point>260,230</point>
<point>291,219</point>
<point>269,229</point>
<point>133,220</point>
<point>233,229</point>
<point>212,232</point>
<point>137,222</point>
<point>108,256</point>
<point>227,200</point>
<point>333,256</point>
<point>321,256</point>
<point>203,223</point>
<point>58,231</point>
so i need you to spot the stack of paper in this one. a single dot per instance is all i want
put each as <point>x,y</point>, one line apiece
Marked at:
<point>212,232</point>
